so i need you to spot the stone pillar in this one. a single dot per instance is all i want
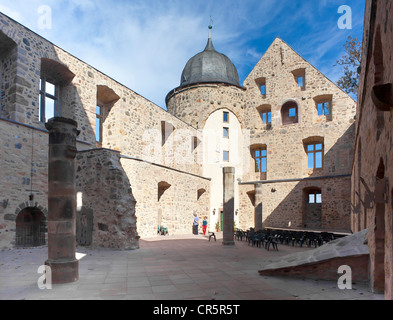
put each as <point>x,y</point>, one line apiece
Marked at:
<point>62,200</point>
<point>258,207</point>
<point>229,206</point>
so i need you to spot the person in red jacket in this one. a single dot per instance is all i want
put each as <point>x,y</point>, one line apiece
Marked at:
<point>204,225</point>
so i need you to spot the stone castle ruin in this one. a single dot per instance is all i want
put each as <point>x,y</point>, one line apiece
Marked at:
<point>299,152</point>
<point>288,132</point>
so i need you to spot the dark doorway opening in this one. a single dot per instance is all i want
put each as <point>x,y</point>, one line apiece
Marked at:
<point>30,228</point>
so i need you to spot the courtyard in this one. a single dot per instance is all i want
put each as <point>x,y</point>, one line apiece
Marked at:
<point>168,268</point>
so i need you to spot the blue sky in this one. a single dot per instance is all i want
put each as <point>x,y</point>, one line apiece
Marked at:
<point>145,44</point>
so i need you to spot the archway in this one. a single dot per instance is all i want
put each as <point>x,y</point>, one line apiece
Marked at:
<point>378,258</point>
<point>30,228</point>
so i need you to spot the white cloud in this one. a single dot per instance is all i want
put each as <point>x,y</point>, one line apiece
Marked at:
<point>145,44</point>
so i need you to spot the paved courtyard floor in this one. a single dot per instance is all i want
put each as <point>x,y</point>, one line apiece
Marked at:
<point>168,268</point>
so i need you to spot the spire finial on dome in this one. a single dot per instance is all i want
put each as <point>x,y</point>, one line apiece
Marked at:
<point>209,45</point>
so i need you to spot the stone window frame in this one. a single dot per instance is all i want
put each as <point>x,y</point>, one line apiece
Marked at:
<point>167,129</point>
<point>265,112</point>
<point>300,74</point>
<point>8,51</point>
<point>262,86</point>
<point>106,99</point>
<point>314,142</point>
<point>60,76</point>
<point>195,142</point>
<point>320,102</point>
<point>286,118</point>
<point>200,193</point>
<point>314,192</point>
<point>162,187</point>
<point>44,95</point>
<point>254,149</point>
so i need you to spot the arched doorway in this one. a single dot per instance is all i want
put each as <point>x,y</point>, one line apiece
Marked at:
<point>30,228</point>
<point>377,254</point>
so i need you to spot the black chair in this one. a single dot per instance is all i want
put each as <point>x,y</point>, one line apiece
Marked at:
<point>298,239</point>
<point>240,235</point>
<point>312,239</point>
<point>271,241</point>
<point>250,236</point>
<point>259,240</point>
<point>327,237</point>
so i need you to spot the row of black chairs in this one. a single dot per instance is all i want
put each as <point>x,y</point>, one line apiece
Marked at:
<point>271,237</point>
<point>260,239</point>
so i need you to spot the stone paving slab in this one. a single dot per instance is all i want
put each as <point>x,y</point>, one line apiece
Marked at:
<point>176,268</point>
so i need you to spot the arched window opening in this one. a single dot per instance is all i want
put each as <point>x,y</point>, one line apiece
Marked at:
<point>290,113</point>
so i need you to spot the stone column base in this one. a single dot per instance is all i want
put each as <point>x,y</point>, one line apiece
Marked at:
<point>64,272</point>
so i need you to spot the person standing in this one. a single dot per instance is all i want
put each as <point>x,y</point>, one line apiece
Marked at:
<point>196,224</point>
<point>204,225</point>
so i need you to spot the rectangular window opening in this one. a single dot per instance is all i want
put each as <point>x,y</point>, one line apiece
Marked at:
<point>99,122</point>
<point>48,100</point>
<point>226,132</point>
<point>260,156</point>
<point>315,156</point>
<point>300,81</point>
<point>263,89</point>
<point>266,117</point>
<point>226,156</point>
<point>324,109</point>
<point>315,198</point>
<point>292,112</point>
<point>226,117</point>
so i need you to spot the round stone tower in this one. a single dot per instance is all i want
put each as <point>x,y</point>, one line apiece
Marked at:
<point>211,99</point>
<point>209,81</point>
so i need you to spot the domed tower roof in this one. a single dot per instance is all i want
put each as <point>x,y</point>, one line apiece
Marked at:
<point>209,66</point>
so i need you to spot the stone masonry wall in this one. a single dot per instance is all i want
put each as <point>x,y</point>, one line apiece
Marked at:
<point>132,124</point>
<point>104,191</point>
<point>24,172</point>
<point>177,203</point>
<point>372,173</point>
<point>285,143</point>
